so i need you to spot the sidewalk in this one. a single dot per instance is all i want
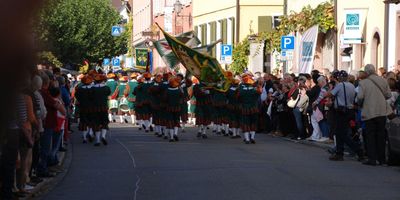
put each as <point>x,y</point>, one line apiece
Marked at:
<point>49,183</point>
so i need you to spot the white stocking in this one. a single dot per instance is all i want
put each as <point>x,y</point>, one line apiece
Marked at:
<point>103,133</point>
<point>97,137</point>
<point>252,134</point>
<point>246,136</point>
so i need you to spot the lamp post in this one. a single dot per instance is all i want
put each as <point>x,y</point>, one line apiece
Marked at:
<point>178,9</point>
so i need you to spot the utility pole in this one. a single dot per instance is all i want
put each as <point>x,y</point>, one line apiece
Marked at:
<point>237,21</point>
<point>336,47</point>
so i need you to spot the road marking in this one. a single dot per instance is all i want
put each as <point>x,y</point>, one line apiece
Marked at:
<point>137,187</point>
<point>129,153</point>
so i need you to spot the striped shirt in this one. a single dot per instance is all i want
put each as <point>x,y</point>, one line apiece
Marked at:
<point>21,114</point>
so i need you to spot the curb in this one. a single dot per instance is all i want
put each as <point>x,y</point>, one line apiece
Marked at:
<point>320,145</point>
<point>50,183</point>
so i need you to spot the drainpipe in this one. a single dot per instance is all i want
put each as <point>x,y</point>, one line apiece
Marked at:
<point>336,46</point>
<point>285,7</point>
<point>237,21</point>
<point>386,40</point>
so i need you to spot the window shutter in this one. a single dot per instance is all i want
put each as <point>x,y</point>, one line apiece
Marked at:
<point>233,30</point>
<point>224,30</point>
<point>213,26</point>
<point>264,24</point>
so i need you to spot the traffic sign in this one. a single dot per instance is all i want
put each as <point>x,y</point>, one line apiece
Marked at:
<point>116,62</point>
<point>106,61</point>
<point>286,55</point>
<point>116,31</point>
<point>226,53</point>
<point>287,43</point>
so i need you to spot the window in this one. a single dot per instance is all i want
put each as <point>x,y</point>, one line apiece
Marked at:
<point>276,21</point>
<point>264,24</point>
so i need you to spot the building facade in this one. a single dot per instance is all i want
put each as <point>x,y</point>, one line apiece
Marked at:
<point>360,34</point>
<point>393,44</point>
<point>233,20</point>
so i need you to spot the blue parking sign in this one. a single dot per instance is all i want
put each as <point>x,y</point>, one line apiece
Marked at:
<point>287,43</point>
<point>116,62</point>
<point>106,61</point>
<point>226,53</point>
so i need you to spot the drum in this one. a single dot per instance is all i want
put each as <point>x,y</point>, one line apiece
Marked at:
<point>123,104</point>
<point>113,106</point>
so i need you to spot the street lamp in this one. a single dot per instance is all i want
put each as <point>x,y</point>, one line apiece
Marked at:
<point>178,7</point>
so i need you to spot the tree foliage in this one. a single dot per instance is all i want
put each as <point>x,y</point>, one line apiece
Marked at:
<point>47,58</point>
<point>74,30</point>
<point>322,15</point>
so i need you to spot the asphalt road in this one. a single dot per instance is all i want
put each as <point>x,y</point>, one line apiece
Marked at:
<point>138,165</point>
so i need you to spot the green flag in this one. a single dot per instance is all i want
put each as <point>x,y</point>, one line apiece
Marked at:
<point>189,38</point>
<point>204,67</point>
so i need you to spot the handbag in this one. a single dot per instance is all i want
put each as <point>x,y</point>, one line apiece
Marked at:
<point>293,102</point>
<point>342,109</point>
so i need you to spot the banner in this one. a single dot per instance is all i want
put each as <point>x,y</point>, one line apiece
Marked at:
<point>203,67</point>
<point>307,49</point>
<point>141,58</point>
<point>353,26</point>
<point>165,51</point>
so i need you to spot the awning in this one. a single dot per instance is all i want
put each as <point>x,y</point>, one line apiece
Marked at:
<point>354,25</point>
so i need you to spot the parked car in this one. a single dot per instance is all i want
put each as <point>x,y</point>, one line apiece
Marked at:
<point>393,142</point>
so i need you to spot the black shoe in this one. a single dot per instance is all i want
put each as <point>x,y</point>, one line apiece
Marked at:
<point>336,157</point>
<point>126,121</point>
<point>253,141</point>
<point>165,137</point>
<point>171,140</point>
<point>104,141</point>
<point>218,133</point>
<point>146,131</point>
<point>247,142</point>
<point>176,138</point>
<point>223,131</point>
<point>91,139</point>
<point>369,162</point>
<point>45,175</point>
<point>143,126</point>
<point>140,128</point>
<point>151,129</point>
<point>230,133</point>
<point>204,136</point>
<point>199,135</point>
<point>84,142</point>
<point>155,133</point>
<point>360,156</point>
<point>62,149</point>
<point>97,144</point>
<point>114,120</point>
<point>159,135</point>
<point>226,135</point>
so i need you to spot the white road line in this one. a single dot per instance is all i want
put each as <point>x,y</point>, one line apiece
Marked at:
<point>134,166</point>
<point>129,153</point>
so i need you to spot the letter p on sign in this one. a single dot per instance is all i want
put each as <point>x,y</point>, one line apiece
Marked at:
<point>287,43</point>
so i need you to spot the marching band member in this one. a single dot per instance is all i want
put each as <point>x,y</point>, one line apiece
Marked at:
<point>174,99</point>
<point>156,96</point>
<point>123,89</point>
<point>146,102</point>
<point>84,97</point>
<point>248,96</point>
<point>100,98</point>
<point>112,84</point>
<point>202,110</point>
<point>185,84</point>
<point>131,97</point>
<point>233,109</point>
<point>163,105</point>
<point>139,94</point>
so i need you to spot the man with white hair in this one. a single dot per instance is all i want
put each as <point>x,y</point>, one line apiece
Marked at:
<point>372,95</point>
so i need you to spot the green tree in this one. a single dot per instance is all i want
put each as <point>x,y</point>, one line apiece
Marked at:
<point>74,30</point>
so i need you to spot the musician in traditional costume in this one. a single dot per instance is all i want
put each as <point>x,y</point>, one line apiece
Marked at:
<point>163,104</point>
<point>248,96</point>
<point>174,100</point>
<point>202,110</point>
<point>185,84</point>
<point>112,99</point>
<point>233,109</point>
<point>123,90</point>
<point>156,95</point>
<point>84,98</point>
<point>100,102</point>
<point>131,97</point>
<point>139,95</point>
<point>143,103</point>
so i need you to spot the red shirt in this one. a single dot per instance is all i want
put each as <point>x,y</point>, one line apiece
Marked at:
<point>51,118</point>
